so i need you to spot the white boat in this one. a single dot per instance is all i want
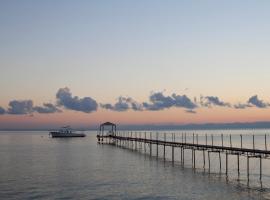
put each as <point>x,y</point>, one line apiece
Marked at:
<point>66,132</point>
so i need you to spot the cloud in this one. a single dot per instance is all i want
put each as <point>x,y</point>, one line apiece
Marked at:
<point>257,102</point>
<point>160,102</point>
<point>209,101</point>
<point>86,104</point>
<point>134,104</point>
<point>20,107</point>
<point>46,108</point>
<point>123,104</point>
<point>24,107</point>
<point>2,111</point>
<point>157,101</point>
<point>183,101</point>
<point>241,106</point>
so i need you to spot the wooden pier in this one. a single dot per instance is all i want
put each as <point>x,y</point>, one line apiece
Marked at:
<point>139,140</point>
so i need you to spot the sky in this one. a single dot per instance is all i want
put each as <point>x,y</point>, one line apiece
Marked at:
<point>133,62</point>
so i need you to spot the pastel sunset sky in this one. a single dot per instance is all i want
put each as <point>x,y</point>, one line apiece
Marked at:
<point>133,62</point>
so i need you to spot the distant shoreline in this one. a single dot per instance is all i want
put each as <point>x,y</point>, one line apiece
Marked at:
<point>204,126</point>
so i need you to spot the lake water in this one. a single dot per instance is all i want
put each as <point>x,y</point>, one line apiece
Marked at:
<point>35,166</point>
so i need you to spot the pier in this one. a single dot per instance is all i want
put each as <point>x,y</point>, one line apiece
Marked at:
<point>145,142</point>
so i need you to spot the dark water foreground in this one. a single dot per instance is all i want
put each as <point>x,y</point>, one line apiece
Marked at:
<point>34,166</point>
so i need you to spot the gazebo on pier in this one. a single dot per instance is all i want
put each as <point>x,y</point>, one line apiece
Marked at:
<point>107,124</point>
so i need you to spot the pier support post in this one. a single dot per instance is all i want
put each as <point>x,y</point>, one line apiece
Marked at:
<point>248,168</point>
<point>150,143</point>
<point>194,157</point>
<point>144,142</point>
<point>238,167</point>
<point>209,164</point>
<point>219,162</point>
<point>135,140</point>
<point>230,140</point>
<point>131,140</point>
<point>204,159</point>
<point>140,142</point>
<point>164,147</point>
<point>226,164</point>
<point>222,140</point>
<point>253,142</point>
<point>157,143</point>
<point>172,153</point>
<point>181,155</point>
<point>241,137</point>
<point>265,143</point>
<point>260,168</point>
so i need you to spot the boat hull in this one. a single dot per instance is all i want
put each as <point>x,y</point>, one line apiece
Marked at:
<point>66,135</point>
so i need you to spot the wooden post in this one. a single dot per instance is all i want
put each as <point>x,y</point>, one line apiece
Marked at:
<point>197,139</point>
<point>260,168</point>
<point>248,168</point>
<point>226,164</point>
<point>172,148</point>
<point>182,138</point>
<point>135,140</point>
<point>230,140</point>
<point>141,141</point>
<point>144,142</point>
<point>241,141</point>
<point>181,155</point>
<point>157,142</point>
<point>212,139</point>
<point>193,138</point>
<point>126,139</point>
<point>131,140</point>
<point>209,161</point>
<point>265,143</point>
<point>185,138</point>
<point>194,157</point>
<point>219,161</point>
<point>120,135</point>
<point>204,159</point>
<point>222,140</point>
<point>150,144</point>
<point>119,139</point>
<point>206,139</point>
<point>253,142</point>
<point>164,150</point>
<point>238,167</point>
<point>172,153</point>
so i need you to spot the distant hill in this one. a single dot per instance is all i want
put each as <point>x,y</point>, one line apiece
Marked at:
<point>205,126</point>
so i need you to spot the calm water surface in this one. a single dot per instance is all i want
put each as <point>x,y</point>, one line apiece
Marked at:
<point>34,166</point>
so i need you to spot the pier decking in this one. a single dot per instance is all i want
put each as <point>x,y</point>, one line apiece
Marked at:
<point>121,139</point>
